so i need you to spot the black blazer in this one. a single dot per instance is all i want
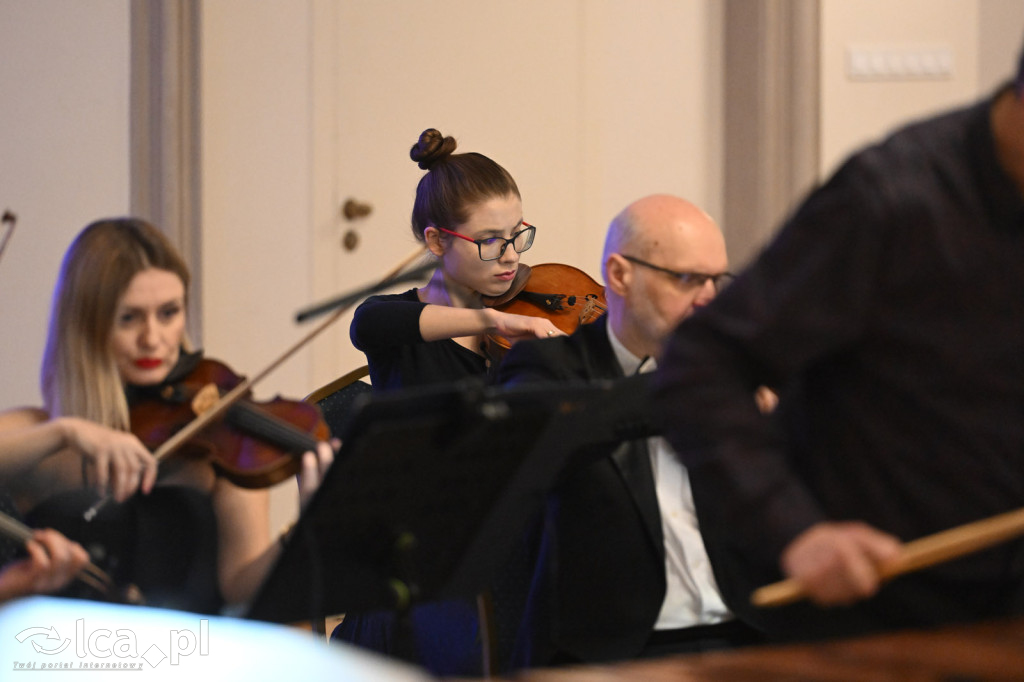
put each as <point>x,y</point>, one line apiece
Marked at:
<point>601,581</point>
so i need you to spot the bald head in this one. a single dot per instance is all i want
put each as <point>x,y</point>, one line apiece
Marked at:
<point>668,234</point>
<point>647,223</point>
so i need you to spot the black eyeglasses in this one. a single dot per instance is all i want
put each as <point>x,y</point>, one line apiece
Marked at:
<point>493,248</point>
<point>696,279</point>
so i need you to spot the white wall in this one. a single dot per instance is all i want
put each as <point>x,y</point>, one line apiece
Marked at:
<point>256,184</point>
<point>651,114</point>
<point>1000,36</point>
<point>64,70</point>
<point>856,112</point>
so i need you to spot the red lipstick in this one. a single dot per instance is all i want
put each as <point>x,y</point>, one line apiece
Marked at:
<point>148,363</point>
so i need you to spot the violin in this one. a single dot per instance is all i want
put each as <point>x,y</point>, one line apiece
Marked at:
<point>253,445</point>
<point>563,294</point>
<point>217,399</point>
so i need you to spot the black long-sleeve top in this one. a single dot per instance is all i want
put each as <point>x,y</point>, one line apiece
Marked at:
<point>387,329</point>
<point>446,633</point>
<point>890,313</point>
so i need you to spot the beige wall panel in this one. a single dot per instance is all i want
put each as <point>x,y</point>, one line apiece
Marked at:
<point>1000,39</point>
<point>855,112</point>
<point>63,157</point>
<point>651,109</point>
<point>256,186</point>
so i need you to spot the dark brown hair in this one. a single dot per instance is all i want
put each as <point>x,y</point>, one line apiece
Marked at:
<point>453,182</point>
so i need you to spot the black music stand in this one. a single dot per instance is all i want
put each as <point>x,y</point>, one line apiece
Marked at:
<point>431,488</point>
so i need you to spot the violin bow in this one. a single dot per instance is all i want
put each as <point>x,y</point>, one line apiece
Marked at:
<point>921,553</point>
<point>219,407</point>
<point>91,574</point>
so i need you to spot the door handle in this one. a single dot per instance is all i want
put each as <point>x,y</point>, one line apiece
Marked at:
<point>353,209</point>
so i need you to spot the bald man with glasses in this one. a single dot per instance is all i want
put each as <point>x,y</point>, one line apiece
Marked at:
<point>624,573</point>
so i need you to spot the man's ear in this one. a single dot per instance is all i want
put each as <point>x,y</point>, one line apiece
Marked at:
<point>618,274</point>
<point>432,237</point>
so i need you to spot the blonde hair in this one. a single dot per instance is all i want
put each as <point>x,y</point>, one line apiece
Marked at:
<point>79,375</point>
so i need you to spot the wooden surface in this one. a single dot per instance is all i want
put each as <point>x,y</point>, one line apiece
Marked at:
<point>990,651</point>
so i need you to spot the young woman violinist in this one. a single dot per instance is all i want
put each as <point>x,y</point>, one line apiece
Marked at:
<point>117,329</point>
<point>468,212</point>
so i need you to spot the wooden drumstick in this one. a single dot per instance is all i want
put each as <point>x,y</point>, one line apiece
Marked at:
<point>918,554</point>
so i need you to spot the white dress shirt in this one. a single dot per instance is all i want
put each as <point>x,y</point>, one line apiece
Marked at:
<point>691,595</point>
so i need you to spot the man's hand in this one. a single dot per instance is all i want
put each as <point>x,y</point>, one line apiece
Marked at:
<point>837,563</point>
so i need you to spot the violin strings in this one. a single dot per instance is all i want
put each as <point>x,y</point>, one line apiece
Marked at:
<point>270,428</point>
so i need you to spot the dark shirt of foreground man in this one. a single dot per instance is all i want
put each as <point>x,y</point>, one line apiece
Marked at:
<point>890,310</point>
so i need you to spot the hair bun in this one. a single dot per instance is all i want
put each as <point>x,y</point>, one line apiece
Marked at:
<point>431,148</point>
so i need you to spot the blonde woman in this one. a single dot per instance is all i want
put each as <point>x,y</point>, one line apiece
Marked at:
<point>117,332</point>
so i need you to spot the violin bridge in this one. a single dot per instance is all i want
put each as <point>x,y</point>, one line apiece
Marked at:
<point>592,309</point>
<point>205,398</point>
